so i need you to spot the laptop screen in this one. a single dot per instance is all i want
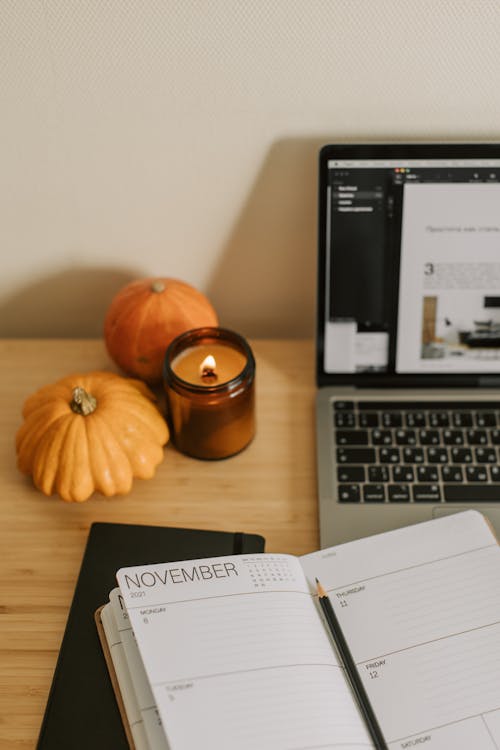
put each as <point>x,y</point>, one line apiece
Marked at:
<point>409,264</point>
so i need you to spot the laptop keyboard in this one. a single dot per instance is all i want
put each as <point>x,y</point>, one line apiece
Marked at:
<point>405,451</point>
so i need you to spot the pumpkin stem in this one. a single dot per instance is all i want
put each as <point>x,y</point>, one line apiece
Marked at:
<point>82,402</point>
<point>157,286</point>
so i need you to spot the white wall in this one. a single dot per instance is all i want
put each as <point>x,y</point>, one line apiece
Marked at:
<point>179,138</point>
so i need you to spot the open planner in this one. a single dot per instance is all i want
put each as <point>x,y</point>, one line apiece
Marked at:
<point>233,652</point>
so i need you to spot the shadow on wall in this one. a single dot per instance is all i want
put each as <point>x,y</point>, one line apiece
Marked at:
<point>264,284</point>
<point>69,304</point>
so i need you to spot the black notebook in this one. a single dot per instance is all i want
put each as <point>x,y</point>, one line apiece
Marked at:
<point>81,709</point>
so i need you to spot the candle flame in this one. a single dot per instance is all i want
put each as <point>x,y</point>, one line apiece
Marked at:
<point>207,367</point>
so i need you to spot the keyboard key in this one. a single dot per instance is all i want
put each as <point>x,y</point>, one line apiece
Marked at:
<point>392,419</point>
<point>461,419</point>
<point>495,473</point>
<point>439,419</point>
<point>427,474</point>
<point>405,437</point>
<point>413,455</point>
<point>343,405</point>
<point>461,455</point>
<point>415,419</point>
<point>486,419</point>
<point>382,437</point>
<point>373,493</point>
<point>453,437</point>
<point>389,455</point>
<point>345,419</point>
<point>367,419</point>
<point>398,493</point>
<point>429,437</point>
<point>477,437</point>
<point>351,437</point>
<point>477,474</point>
<point>378,474</point>
<point>471,493</point>
<point>437,455</point>
<point>349,493</point>
<point>356,455</point>
<point>485,455</point>
<point>402,474</point>
<point>351,473</point>
<point>495,437</point>
<point>452,473</point>
<point>426,493</point>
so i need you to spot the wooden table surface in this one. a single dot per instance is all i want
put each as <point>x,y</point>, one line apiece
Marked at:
<point>270,489</point>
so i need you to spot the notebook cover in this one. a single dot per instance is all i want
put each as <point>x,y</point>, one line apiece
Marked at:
<point>81,710</point>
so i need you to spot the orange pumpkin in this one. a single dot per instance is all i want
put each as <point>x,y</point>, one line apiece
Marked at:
<point>145,316</point>
<point>92,432</point>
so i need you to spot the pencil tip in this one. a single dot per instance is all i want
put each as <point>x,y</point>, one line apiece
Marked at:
<point>320,589</point>
<point>316,579</point>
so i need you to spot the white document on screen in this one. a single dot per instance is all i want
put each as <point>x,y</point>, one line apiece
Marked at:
<point>449,291</point>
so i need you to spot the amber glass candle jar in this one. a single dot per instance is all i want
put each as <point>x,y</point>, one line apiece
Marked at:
<point>209,380</point>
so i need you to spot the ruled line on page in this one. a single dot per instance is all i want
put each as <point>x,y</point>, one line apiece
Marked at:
<point>426,643</point>
<point>218,596</point>
<point>409,567</point>
<point>448,724</point>
<point>244,671</point>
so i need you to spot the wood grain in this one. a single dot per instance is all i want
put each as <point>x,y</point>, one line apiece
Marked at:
<point>268,489</point>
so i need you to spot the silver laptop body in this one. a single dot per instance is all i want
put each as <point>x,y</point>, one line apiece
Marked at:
<point>408,337</point>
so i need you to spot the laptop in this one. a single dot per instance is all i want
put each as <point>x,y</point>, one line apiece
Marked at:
<point>408,335</point>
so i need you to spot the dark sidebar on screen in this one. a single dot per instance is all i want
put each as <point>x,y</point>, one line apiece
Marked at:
<point>366,209</point>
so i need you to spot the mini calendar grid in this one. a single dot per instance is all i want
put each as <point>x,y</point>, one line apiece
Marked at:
<point>268,570</point>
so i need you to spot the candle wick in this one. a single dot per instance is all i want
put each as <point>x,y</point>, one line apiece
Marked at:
<point>208,373</point>
<point>207,369</point>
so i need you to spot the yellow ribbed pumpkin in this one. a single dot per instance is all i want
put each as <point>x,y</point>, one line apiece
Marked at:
<point>88,433</point>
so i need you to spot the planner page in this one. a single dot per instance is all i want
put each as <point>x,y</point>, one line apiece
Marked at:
<point>143,695</point>
<point>420,609</point>
<point>124,678</point>
<point>237,656</point>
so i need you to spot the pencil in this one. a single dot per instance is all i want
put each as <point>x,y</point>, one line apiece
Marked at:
<point>350,669</point>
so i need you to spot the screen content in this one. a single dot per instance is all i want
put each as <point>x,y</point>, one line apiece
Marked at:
<point>413,266</point>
